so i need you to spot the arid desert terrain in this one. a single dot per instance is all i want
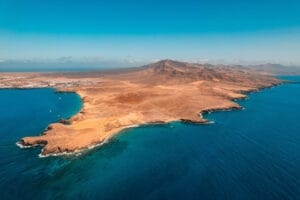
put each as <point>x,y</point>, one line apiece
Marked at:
<point>114,100</point>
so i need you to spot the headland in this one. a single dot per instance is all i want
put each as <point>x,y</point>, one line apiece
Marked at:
<point>161,92</point>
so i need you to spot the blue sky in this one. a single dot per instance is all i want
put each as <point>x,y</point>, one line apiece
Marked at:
<point>133,31</point>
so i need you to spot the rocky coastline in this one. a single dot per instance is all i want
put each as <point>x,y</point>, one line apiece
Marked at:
<point>162,92</point>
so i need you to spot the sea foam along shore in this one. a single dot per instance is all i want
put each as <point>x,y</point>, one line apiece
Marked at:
<point>79,151</point>
<point>43,154</point>
<point>76,152</point>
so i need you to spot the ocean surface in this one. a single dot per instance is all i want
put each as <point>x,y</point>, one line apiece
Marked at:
<point>248,154</point>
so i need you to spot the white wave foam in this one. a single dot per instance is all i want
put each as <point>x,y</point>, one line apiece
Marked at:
<point>23,146</point>
<point>133,126</point>
<point>76,152</point>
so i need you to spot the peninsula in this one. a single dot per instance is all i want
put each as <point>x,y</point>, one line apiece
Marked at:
<point>114,100</point>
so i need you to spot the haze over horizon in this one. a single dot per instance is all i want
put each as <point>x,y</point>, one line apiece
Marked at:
<point>50,34</point>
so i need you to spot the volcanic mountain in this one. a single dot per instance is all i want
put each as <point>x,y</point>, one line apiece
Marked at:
<point>114,100</point>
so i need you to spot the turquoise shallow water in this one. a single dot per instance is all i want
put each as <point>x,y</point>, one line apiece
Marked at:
<point>249,154</point>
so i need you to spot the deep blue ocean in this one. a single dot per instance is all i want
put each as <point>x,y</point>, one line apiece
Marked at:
<point>248,154</point>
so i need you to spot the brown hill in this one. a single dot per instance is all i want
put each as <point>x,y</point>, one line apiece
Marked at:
<point>175,72</point>
<point>275,69</point>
